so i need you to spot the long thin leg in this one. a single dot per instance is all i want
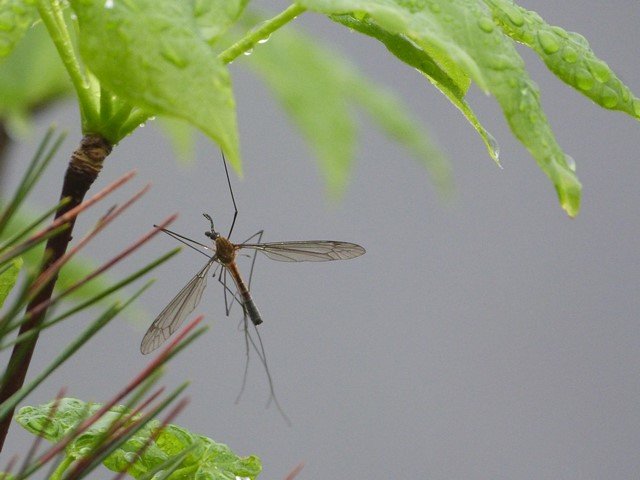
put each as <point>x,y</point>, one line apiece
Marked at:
<point>260,351</point>
<point>259,348</point>
<point>246,360</point>
<point>253,261</point>
<point>222,278</point>
<point>233,199</point>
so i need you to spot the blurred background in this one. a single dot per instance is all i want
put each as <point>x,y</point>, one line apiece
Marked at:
<point>485,337</point>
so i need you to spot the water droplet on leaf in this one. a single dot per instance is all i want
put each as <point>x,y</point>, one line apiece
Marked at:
<point>514,15</point>
<point>570,55</point>
<point>170,54</point>
<point>609,98</point>
<point>571,163</point>
<point>600,70</point>
<point>486,24</point>
<point>548,42</point>
<point>494,146</point>
<point>584,79</point>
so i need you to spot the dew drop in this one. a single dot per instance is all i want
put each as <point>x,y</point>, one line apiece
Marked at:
<point>600,70</point>
<point>264,40</point>
<point>494,147</point>
<point>169,53</point>
<point>486,24</point>
<point>560,32</point>
<point>108,4</point>
<point>626,95</point>
<point>130,457</point>
<point>248,52</point>
<point>515,16</point>
<point>498,62</point>
<point>584,79</point>
<point>570,55</point>
<point>571,163</point>
<point>609,97</point>
<point>577,38</point>
<point>548,42</point>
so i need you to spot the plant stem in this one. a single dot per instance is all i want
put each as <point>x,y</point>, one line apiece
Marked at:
<point>57,475</point>
<point>52,17</point>
<point>262,32</point>
<point>84,166</point>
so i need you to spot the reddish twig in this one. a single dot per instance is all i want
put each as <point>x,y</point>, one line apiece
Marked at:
<point>152,438</point>
<point>148,370</point>
<point>294,473</point>
<point>55,267</point>
<point>38,438</point>
<point>84,167</point>
<point>67,217</point>
<point>6,473</point>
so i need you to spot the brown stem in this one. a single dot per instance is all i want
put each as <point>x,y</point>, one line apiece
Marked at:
<point>5,142</point>
<point>84,167</point>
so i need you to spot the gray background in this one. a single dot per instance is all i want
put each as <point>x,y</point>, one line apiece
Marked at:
<point>490,337</point>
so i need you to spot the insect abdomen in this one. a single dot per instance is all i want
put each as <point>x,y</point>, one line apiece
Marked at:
<point>252,310</point>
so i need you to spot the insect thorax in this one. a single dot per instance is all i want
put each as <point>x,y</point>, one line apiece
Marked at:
<point>225,251</point>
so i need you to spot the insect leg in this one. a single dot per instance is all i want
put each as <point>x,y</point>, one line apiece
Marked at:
<point>222,278</point>
<point>259,348</point>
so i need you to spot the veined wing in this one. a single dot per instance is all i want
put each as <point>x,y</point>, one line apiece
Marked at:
<point>174,314</point>
<point>307,251</point>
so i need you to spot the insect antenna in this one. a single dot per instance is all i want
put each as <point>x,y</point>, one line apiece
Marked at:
<point>233,199</point>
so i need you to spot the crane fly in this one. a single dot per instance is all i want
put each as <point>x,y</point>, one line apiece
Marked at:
<point>224,254</point>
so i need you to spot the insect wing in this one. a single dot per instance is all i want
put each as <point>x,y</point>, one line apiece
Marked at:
<point>174,314</point>
<point>308,251</point>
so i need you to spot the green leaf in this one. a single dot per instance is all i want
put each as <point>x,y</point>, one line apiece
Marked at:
<point>566,54</point>
<point>214,17</point>
<point>408,53</point>
<point>426,24</point>
<point>30,77</point>
<point>150,53</point>
<point>8,278</point>
<point>16,16</point>
<point>313,88</point>
<point>205,458</point>
<point>182,137</point>
<point>393,117</point>
<point>318,89</point>
<point>460,34</point>
<point>67,414</point>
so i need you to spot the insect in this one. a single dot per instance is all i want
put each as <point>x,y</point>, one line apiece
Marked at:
<point>224,254</point>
